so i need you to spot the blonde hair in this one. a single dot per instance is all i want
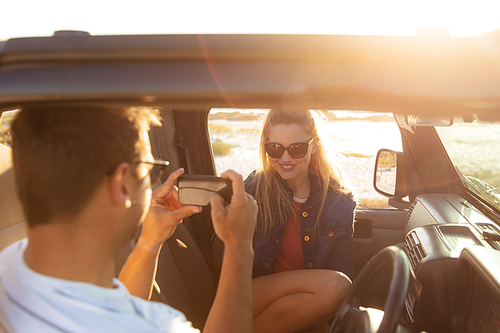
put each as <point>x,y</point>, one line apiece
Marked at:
<point>270,192</point>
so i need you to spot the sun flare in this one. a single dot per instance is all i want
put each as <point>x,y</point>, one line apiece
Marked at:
<point>356,17</point>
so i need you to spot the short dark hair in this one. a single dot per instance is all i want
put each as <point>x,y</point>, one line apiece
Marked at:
<point>61,154</point>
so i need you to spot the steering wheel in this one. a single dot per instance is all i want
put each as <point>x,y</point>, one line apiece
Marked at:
<point>352,318</point>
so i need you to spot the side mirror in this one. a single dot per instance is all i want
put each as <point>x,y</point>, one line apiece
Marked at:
<point>390,177</point>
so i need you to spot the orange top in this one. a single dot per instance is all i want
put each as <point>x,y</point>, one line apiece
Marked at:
<point>290,256</point>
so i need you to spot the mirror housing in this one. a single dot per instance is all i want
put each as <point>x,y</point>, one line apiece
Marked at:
<point>390,177</point>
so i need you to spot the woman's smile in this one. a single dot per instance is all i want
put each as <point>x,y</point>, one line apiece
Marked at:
<point>286,167</point>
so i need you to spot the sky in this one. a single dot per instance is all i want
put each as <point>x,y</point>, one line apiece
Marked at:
<point>21,18</point>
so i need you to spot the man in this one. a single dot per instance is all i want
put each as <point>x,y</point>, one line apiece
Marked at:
<point>82,176</point>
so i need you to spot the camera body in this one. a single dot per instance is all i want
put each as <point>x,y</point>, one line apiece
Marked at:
<point>198,189</point>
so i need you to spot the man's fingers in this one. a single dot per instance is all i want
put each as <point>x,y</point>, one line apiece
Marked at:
<point>217,203</point>
<point>167,188</point>
<point>250,198</point>
<point>172,178</point>
<point>185,211</point>
<point>237,182</point>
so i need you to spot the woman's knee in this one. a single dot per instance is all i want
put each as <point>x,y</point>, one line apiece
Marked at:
<point>341,284</point>
<point>333,289</point>
<point>334,281</point>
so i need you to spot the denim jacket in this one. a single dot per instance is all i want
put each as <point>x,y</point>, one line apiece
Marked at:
<point>332,246</point>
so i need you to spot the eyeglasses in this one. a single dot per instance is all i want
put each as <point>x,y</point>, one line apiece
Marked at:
<point>296,150</point>
<point>156,171</point>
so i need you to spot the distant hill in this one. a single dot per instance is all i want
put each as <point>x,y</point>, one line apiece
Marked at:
<point>368,118</point>
<point>237,115</point>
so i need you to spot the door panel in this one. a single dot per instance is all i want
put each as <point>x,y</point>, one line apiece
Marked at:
<point>374,230</point>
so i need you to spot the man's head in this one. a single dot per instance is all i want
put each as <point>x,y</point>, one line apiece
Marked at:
<point>61,155</point>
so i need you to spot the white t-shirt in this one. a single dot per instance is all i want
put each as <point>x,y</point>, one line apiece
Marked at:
<point>32,302</point>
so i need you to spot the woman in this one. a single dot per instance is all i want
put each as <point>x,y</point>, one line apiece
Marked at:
<point>303,241</point>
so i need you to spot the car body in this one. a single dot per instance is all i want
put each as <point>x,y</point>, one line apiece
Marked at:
<point>447,225</point>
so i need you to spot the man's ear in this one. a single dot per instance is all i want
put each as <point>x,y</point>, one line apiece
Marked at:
<point>121,189</point>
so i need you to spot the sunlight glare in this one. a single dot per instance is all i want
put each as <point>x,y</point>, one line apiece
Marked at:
<point>356,17</point>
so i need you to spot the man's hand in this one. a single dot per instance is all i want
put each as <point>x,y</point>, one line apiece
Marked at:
<point>235,223</point>
<point>163,217</point>
<point>165,212</point>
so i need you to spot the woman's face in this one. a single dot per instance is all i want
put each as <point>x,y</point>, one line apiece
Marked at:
<point>291,169</point>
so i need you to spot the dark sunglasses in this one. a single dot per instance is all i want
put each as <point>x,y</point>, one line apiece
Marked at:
<point>156,171</point>
<point>295,150</point>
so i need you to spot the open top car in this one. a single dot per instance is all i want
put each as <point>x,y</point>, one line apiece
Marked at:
<point>438,173</point>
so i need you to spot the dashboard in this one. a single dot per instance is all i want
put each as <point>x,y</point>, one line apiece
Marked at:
<point>454,253</point>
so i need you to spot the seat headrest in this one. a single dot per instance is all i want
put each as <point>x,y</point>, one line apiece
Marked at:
<point>10,207</point>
